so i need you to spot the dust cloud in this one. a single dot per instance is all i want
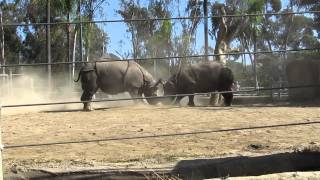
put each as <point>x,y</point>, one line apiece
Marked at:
<point>32,87</point>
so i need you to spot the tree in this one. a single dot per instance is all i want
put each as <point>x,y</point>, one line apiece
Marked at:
<point>311,5</point>
<point>90,8</point>
<point>12,43</point>
<point>149,38</point>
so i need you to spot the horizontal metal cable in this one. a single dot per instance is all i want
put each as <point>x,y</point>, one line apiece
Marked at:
<point>159,19</point>
<point>164,58</point>
<point>158,97</point>
<point>159,135</point>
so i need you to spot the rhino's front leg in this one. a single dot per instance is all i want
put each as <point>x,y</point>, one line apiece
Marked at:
<point>134,93</point>
<point>177,100</point>
<point>214,99</point>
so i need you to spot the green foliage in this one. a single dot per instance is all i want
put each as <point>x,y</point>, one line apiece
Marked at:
<point>275,5</point>
<point>156,38</point>
<point>255,6</point>
<point>195,9</point>
<point>30,41</point>
<point>13,43</point>
<point>311,5</point>
<point>149,35</point>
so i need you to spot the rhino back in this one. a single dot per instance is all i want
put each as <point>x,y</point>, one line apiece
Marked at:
<point>118,76</point>
<point>201,77</point>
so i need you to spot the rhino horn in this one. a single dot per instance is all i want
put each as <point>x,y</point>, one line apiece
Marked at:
<point>158,82</point>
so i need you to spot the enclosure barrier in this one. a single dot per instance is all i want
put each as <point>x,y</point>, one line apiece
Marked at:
<point>2,147</point>
<point>14,146</point>
<point>159,135</point>
<point>159,97</point>
<point>165,58</point>
<point>160,19</point>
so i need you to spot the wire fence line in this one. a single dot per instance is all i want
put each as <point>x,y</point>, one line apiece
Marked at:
<point>14,146</point>
<point>164,58</point>
<point>159,19</point>
<point>159,135</point>
<point>159,97</point>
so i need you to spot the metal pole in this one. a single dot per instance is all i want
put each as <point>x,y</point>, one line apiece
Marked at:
<point>2,45</point>
<point>48,45</point>
<point>68,51</point>
<point>205,11</point>
<point>80,19</point>
<point>1,146</point>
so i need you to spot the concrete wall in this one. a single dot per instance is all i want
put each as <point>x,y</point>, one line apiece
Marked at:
<point>303,72</point>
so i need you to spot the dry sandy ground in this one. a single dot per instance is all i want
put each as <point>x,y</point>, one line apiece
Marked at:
<point>280,176</point>
<point>53,126</point>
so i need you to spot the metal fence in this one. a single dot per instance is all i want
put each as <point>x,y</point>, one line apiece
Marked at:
<point>5,106</point>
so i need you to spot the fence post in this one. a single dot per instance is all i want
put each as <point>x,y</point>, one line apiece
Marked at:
<point>205,9</point>
<point>80,31</point>
<point>10,81</point>
<point>48,36</point>
<point>271,91</point>
<point>1,146</point>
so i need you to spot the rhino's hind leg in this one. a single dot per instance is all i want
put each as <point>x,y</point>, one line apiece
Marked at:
<point>191,101</point>
<point>89,86</point>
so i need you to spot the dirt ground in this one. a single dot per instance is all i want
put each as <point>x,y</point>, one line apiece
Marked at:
<point>28,127</point>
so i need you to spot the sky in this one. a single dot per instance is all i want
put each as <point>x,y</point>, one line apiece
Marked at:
<point>117,31</point>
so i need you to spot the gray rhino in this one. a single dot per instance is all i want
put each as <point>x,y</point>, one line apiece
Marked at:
<point>115,77</point>
<point>200,78</point>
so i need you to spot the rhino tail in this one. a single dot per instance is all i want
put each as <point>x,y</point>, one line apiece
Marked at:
<point>78,76</point>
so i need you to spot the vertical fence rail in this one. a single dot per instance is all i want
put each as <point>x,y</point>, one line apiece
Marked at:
<point>1,146</point>
<point>72,64</point>
<point>80,31</point>
<point>2,43</point>
<point>49,45</point>
<point>206,43</point>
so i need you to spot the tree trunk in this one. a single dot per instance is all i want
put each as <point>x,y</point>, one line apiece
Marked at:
<point>68,47</point>
<point>90,17</point>
<point>255,60</point>
<point>74,54</point>
<point>134,44</point>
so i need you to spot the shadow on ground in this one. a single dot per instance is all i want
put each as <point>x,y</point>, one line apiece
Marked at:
<point>305,160</point>
<point>202,102</point>
<point>247,166</point>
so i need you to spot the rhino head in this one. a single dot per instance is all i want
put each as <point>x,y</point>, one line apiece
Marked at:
<point>169,88</point>
<point>226,83</point>
<point>150,90</point>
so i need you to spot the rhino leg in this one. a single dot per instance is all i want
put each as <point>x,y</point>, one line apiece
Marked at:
<point>134,93</point>
<point>87,96</point>
<point>89,87</point>
<point>178,99</point>
<point>214,99</point>
<point>191,101</point>
<point>228,97</point>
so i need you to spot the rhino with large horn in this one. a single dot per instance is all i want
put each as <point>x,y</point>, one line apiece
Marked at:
<point>116,77</point>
